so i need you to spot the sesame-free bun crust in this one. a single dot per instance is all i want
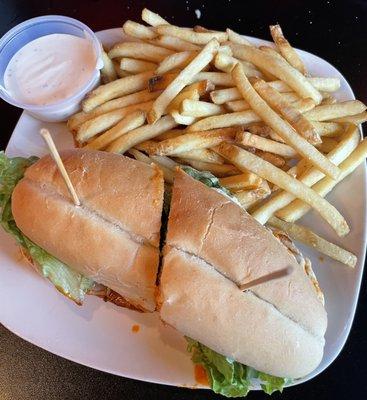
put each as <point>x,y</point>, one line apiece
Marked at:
<point>212,246</point>
<point>113,237</point>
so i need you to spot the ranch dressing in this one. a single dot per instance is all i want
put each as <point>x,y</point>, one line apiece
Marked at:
<point>50,69</point>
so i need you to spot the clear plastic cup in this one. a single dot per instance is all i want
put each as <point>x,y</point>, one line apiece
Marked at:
<point>32,29</point>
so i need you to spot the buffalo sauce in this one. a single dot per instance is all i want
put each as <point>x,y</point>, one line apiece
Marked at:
<point>200,375</point>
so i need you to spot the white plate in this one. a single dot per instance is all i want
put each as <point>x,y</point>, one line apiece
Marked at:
<point>100,335</point>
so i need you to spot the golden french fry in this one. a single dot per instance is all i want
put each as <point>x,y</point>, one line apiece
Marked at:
<point>286,50</point>
<point>286,110</point>
<point>135,98</point>
<point>309,238</point>
<point>309,176</point>
<point>327,98</point>
<point>236,38</point>
<point>138,31</point>
<point>242,159</point>
<point>199,38</point>
<point>226,63</point>
<point>108,72</point>
<point>199,109</point>
<point>297,209</point>
<point>174,43</point>
<point>183,78</point>
<point>245,181</point>
<point>160,82</point>
<point>280,68</point>
<point>325,84</point>
<point>219,170</point>
<point>191,92</point>
<point>327,145</point>
<point>274,159</point>
<point>222,96</point>
<point>224,121</point>
<point>139,135</point>
<point>96,125</point>
<point>152,18</point>
<point>175,61</point>
<point>130,122</point>
<point>167,173</point>
<point>119,72</point>
<point>261,143</point>
<point>149,146</point>
<point>182,119</point>
<point>117,88</point>
<point>329,129</point>
<point>217,78</point>
<point>353,119</point>
<point>205,155</point>
<point>136,66</point>
<point>196,140</point>
<point>140,51</point>
<point>249,198</point>
<point>170,134</point>
<point>165,161</point>
<point>282,128</point>
<point>337,110</point>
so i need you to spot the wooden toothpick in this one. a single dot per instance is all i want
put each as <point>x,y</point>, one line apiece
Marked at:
<point>56,156</point>
<point>280,273</point>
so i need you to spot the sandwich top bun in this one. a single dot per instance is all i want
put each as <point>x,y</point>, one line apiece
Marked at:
<point>113,237</point>
<point>212,246</point>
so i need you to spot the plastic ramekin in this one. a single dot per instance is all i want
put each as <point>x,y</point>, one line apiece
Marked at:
<point>32,29</point>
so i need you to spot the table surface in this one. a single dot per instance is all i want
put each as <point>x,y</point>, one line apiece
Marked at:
<point>336,31</point>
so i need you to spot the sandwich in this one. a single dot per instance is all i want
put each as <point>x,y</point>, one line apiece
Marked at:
<point>269,334</point>
<point>109,245</point>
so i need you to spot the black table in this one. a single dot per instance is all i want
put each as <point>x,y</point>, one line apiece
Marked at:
<point>333,30</point>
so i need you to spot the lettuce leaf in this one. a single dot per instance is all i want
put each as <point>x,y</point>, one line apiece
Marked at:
<point>231,378</point>
<point>67,281</point>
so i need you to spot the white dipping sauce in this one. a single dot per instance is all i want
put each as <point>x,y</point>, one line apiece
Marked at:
<point>50,68</point>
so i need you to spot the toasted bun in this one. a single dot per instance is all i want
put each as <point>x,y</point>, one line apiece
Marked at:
<point>113,237</point>
<point>212,246</point>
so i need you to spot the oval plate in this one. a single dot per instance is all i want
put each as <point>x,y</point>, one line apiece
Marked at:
<point>100,335</point>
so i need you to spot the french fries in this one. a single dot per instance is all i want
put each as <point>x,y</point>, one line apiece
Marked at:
<point>309,238</point>
<point>199,38</point>
<point>279,68</point>
<point>219,170</point>
<point>196,140</point>
<point>199,109</point>
<point>182,119</point>
<point>175,61</point>
<point>108,72</point>
<point>286,110</point>
<point>286,50</point>
<point>134,98</point>
<point>328,112</point>
<point>117,88</point>
<point>284,130</point>
<point>138,31</point>
<point>167,172</point>
<point>130,122</point>
<point>308,176</point>
<point>204,155</point>
<point>184,77</point>
<point>353,119</point>
<point>139,135</point>
<point>249,198</point>
<point>298,209</point>
<point>152,18</point>
<point>140,51</point>
<point>136,66</point>
<point>174,43</point>
<point>245,181</point>
<point>96,125</point>
<point>236,38</point>
<point>244,160</point>
<point>258,142</point>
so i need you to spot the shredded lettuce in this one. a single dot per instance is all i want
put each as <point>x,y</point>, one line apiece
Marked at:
<point>67,281</point>
<point>231,378</point>
<point>226,376</point>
